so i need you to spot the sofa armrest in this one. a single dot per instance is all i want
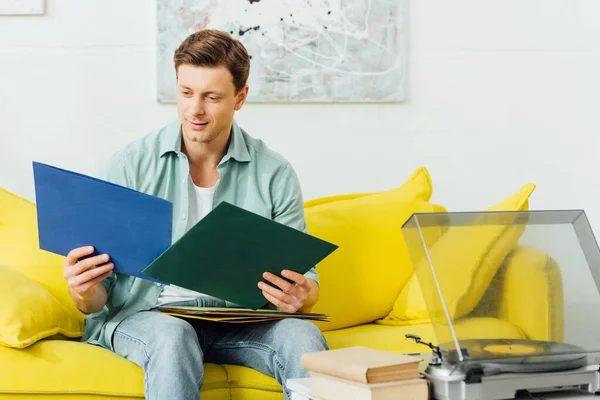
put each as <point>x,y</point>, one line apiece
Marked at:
<point>531,297</point>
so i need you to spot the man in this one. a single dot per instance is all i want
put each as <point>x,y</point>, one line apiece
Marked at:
<point>197,162</point>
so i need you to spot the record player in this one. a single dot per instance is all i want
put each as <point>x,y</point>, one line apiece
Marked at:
<point>462,262</point>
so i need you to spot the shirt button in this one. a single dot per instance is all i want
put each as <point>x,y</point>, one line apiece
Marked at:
<point>183,216</point>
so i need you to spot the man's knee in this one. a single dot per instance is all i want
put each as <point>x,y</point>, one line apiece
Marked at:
<point>304,336</point>
<point>175,332</point>
<point>173,338</point>
<point>147,337</point>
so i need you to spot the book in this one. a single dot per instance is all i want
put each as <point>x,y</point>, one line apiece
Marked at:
<point>76,210</point>
<point>226,253</point>
<point>331,388</point>
<point>362,364</point>
<point>220,314</point>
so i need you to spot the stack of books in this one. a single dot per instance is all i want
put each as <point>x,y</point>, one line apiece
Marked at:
<point>361,373</point>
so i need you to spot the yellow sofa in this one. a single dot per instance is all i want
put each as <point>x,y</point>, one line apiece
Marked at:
<point>367,287</point>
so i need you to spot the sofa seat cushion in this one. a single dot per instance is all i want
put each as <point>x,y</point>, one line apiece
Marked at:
<point>60,367</point>
<point>392,338</point>
<point>248,384</point>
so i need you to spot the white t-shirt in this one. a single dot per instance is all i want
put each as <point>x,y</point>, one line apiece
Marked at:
<point>200,203</point>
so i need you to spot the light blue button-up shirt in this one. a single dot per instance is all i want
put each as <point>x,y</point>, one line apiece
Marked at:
<point>251,176</point>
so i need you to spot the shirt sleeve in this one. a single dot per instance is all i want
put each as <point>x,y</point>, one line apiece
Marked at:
<point>288,206</point>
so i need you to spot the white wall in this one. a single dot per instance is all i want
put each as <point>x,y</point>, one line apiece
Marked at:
<point>500,93</point>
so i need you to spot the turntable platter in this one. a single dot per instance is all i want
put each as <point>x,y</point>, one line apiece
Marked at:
<point>517,355</point>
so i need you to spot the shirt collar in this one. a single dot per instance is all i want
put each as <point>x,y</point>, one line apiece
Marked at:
<point>238,149</point>
<point>171,141</point>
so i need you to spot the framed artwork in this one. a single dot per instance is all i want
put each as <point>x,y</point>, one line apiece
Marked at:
<point>21,7</point>
<point>301,50</point>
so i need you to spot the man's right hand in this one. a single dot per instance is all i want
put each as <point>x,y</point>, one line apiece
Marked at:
<point>83,277</point>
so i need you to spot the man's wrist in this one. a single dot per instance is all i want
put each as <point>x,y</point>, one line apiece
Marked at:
<point>78,296</point>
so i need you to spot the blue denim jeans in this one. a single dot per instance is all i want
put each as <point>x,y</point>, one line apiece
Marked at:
<point>172,351</point>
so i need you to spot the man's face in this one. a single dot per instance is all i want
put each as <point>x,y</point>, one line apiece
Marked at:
<point>206,101</point>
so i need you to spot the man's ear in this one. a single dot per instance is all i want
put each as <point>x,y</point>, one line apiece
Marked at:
<point>241,97</point>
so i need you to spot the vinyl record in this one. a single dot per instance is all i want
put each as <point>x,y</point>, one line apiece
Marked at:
<point>518,355</point>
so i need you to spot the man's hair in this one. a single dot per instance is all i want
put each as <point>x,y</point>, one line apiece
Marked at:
<point>212,48</point>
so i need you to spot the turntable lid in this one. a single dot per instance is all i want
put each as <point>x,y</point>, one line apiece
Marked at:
<point>511,275</point>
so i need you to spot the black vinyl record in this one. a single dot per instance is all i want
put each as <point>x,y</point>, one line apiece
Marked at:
<point>517,355</point>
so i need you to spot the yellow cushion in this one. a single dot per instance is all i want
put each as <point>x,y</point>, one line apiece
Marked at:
<point>531,294</point>
<point>418,186</point>
<point>19,248</point>
<point>465,260</point>
<point>363,277</point>
<point>30,313</point>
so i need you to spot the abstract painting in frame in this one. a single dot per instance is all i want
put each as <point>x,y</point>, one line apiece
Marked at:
<point>21,7</point>
<point>301,50</point>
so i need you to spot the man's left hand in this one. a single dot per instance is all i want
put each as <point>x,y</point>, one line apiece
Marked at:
<point>290,297</point>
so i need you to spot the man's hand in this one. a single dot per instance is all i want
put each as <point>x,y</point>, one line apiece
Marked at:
<point>302,293</point>
<point>84,276</point>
